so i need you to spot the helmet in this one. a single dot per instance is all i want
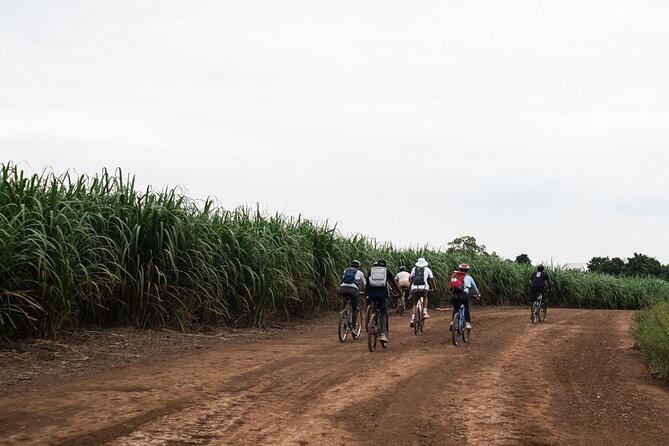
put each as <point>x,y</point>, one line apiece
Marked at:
<point>540,268</point>
<point>403,268</point>
<point>381,262</point>
<point>355,263</point>
<point>463,267</point>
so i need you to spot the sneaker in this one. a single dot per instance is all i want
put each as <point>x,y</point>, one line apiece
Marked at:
<point>383,338</point>
<point>425,315</point>
<point>468,326</point>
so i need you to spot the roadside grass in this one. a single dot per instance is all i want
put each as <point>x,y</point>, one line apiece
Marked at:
<point>79,250</point>
<point>652,333</point>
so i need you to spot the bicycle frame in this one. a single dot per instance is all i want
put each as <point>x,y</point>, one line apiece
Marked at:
<point>461,319</point>
<point>458,330</point>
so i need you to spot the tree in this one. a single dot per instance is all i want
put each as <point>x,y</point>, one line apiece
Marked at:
<point>605,265</point>
<point>523,259</point>
<point>466,245</point>
<point>642,265</point>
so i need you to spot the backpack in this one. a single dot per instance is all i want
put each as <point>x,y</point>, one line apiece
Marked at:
<point>419,276</point>
<point>457,283</point>
<point>349,275</point>
<point>539,281</point>
<point>377,276</point>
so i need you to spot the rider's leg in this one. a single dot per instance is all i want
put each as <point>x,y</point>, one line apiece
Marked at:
<point>425,302</point>
<point>414,301</point>
<point>465,300</point>
<point>354,305</point>
<point>384,319</point>
<point>455,301</point>
<point>349,294</point>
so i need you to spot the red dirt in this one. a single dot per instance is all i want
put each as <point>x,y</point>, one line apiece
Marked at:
<point>575,379</point>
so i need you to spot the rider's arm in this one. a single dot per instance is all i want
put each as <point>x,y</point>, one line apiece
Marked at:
<point>432,283</point>
<point>391,279</point>
<point>360,279</point>
<point>472,284</point>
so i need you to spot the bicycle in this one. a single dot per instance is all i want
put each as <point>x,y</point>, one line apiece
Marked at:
<point>344,325</point>
<point>419,315</point>
<point>458,330</point>
<point>374,330</point>
<point>539,309</point>
<point>405,301</point>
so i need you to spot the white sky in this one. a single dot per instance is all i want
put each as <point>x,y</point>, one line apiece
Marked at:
<point>537,127</point>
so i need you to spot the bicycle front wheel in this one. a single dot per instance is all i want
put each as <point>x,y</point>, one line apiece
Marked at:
<point>358,324</point>
<point>372,333</point>
<point>466,332</point>
<point>342,326</point>
<point>534,313</point>
<point>455,333</point>
<point>542,312</point>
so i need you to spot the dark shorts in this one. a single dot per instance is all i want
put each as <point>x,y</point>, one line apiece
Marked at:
<point>379,298</point>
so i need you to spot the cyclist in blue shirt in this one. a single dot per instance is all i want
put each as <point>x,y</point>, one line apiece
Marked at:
<point>461,294</point>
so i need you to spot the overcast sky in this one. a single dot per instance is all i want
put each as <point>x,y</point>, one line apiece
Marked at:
<point>537,127</point>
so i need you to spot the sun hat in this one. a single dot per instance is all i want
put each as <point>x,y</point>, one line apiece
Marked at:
<point>421,263</point>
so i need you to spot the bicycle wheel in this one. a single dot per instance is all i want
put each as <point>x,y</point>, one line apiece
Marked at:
<point>542,312</point>
<point>534,313</point>
<point>455,333</point>
<point>372,333</point>
<point>342,327</point>
<point>416,321</point>
<point>368,313</point>
<point>358,324</point>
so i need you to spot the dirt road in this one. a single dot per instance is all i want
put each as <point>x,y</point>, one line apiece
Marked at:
<point>574,380</point>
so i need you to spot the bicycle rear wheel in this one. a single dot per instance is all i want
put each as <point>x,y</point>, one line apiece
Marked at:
<point>534,312</point>
<point>342,326</point>
<point>372,333</point>
<point>455,333</point>
<point>542,312</point>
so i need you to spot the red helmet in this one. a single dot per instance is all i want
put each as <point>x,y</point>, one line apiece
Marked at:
<point>463,267</point>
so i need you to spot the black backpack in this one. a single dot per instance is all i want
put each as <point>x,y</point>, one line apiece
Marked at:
<point>539,281</point>
<point>419,276</point>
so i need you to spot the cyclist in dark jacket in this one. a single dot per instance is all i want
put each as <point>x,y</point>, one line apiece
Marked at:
<point>377,289</point>
<point>539,282</point>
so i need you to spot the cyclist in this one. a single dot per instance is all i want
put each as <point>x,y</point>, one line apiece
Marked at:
<point>461,285</point>
<point>403,282</point>
<point>353,281</point>
<point>539,282</point>
<point>422,282</point>
<point>377,290</point>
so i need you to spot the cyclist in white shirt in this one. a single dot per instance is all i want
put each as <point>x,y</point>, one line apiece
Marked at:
<point>422,282</point>
<point>403,281</point>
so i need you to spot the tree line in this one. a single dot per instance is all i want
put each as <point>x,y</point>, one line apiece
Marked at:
<point>640,265</point>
